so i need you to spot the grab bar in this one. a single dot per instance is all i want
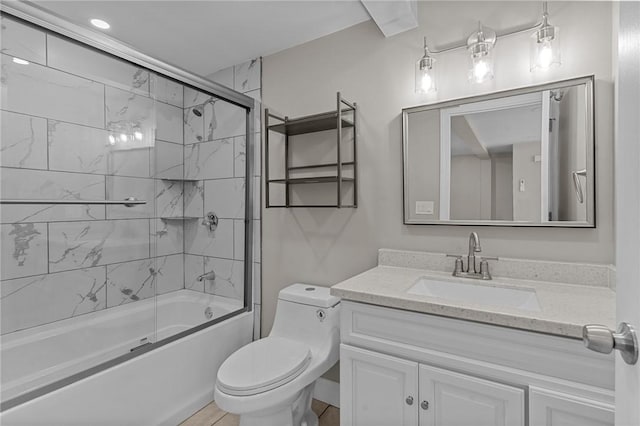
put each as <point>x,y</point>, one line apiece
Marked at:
<point>578,185</point>
<point>127,202</point>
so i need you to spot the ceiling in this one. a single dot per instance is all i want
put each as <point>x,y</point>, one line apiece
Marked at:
<point>493,132</point>
<point>206,36</point>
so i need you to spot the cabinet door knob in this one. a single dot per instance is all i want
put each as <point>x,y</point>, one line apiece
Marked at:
<point>424,405</point>
<point>409,400</point>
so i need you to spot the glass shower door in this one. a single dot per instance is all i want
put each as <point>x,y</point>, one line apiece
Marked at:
<point>78,279</point>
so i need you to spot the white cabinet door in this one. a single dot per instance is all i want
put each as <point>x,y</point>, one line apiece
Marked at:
<point>454,399</point>
<point>376,389</point>
<point>548,408</point>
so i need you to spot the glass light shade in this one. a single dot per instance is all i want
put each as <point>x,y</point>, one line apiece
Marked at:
<point>481,66</point>
<point>545,49</point>
<point>425,75</point>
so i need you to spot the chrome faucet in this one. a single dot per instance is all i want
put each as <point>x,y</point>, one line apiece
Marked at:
<point>471,271</point>
<point>474,247</point>
<point>209,276</point>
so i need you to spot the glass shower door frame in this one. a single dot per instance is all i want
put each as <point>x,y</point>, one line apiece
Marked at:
<point>58,25</point>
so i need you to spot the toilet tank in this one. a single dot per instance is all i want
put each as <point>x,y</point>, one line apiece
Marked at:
<point>307,313</point>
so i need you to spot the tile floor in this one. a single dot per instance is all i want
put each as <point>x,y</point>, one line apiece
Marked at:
<point>212,415</point>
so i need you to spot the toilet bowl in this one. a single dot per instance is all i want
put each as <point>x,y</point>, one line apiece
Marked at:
<point>270,382</point>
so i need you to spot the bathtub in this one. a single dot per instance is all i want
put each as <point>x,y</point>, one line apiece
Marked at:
<point>162,386</point>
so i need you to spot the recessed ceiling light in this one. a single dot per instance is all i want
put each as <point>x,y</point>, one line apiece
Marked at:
<point>103,25</point>
<point>20,61</point>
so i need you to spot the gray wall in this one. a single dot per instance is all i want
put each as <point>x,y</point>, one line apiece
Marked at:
<point>326,246</point>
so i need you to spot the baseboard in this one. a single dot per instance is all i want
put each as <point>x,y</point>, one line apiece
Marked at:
<point>327,391</point>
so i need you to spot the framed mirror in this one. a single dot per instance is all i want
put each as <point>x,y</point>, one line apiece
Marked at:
<point>521,157</point>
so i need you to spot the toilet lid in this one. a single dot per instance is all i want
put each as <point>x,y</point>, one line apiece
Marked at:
<point>263,365</point>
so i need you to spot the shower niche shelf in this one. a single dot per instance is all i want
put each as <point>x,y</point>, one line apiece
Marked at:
<point>179,218</point>
<point>180,180</point>
<point>336,181</point>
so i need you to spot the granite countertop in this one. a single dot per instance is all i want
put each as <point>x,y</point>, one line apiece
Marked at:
<point>564,308</point>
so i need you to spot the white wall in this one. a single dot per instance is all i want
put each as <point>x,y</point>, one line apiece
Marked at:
<point>325,246</point>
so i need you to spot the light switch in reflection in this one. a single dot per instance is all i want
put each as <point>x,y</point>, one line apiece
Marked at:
<point>424,207</point>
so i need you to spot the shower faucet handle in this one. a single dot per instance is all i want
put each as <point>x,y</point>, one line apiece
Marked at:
<point>211,221</point>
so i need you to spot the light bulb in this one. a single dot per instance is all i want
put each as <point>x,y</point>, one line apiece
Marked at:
<point>123,137</point>
<point>480,71</point>
<point>426,82</point>
<point>138,135</point>
<point>545,56</point>
<point>112,140</point>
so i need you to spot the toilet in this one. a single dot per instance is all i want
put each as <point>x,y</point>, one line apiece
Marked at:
<point>270,382</point>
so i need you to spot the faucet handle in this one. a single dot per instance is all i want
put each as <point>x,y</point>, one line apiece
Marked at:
<point>484,269</point>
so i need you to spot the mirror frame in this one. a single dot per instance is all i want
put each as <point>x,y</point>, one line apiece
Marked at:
<point>588,81</point>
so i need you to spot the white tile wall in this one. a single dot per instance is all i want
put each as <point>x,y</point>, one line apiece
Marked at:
<point>168,162</point>
<point>23,250</point>
<point>229,280</point>
<point>165,90</point>
<point>170,276</point>
<point>73,58</point>
<point>77,148</point>
<point>226,197</point>
<point>74,245</point>
<point>209,160</point>
<point>23,41</point>
<point>56,296</point>
<point>68,97</point>
<point>193,267</point>
<point>199,240</point>
<point>167,237</point>
<point>23,141</point>
<point>42,184</point>
<point>131,281</point>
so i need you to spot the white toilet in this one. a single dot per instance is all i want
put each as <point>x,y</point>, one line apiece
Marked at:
<point>270,382</point>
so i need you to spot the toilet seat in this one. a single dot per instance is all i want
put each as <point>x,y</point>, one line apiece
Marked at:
<point>263,365</point>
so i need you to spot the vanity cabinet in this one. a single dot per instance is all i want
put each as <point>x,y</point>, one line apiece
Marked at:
<point>548,408</point>
<point>405,368</point>
<point>382,390</point>
<point>386,390</point>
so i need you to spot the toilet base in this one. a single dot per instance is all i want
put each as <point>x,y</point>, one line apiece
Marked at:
<point>297,414</point>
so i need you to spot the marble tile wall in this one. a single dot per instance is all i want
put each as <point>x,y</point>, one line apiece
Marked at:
<point>245,78</point>
<point>78,124</point>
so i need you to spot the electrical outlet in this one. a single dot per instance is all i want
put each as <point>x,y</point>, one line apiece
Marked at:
<point>424,207</point>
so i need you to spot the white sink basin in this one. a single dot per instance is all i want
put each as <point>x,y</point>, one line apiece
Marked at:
<point>477,293</point>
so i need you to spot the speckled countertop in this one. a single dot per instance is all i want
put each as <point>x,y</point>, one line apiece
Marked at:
<point>564,308</point>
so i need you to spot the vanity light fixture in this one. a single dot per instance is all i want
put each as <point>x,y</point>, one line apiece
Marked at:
<point>99,23</point>
<point>425,76</point>
<point>545,49</point>
<point>480,46</point>
<point>20,61</point>
<point>545,52</point>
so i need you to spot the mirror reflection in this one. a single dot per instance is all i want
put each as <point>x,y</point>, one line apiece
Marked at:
<point>521,157</point>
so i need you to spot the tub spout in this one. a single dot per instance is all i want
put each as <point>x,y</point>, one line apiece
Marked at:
<point>209,276</point>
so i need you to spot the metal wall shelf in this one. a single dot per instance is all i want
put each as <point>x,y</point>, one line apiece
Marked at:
<point>314,179</point>
<point>311,124</point>
<point>332,120</point>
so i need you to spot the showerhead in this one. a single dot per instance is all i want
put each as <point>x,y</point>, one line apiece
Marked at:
<point>198,110</point>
